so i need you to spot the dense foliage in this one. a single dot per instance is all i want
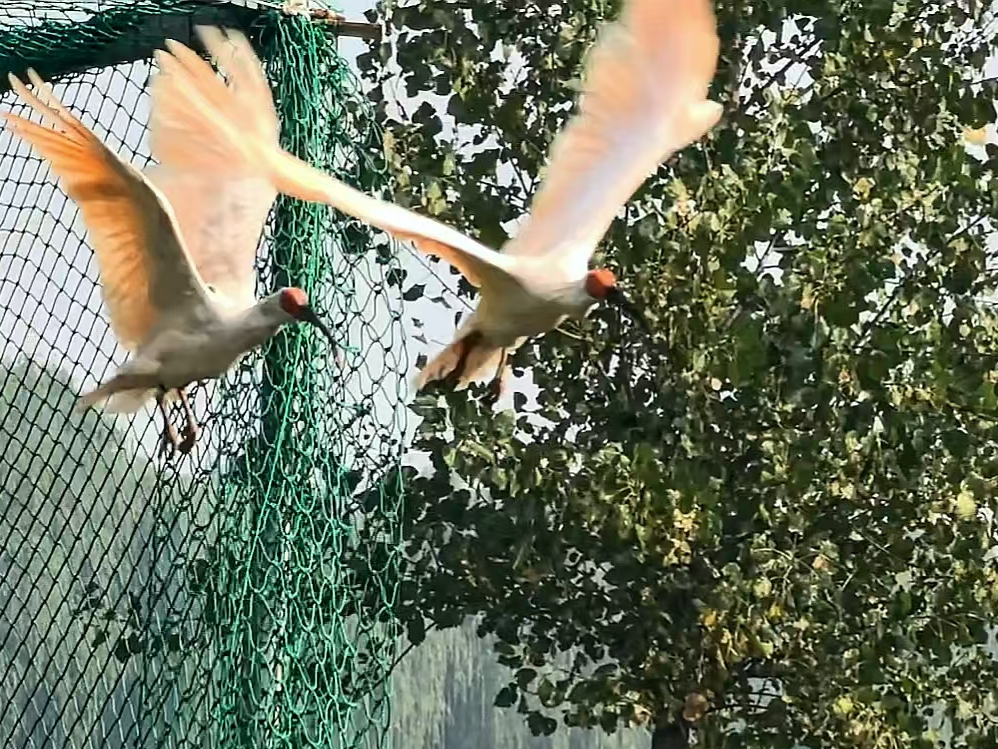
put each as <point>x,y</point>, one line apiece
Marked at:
<point>771,522</point>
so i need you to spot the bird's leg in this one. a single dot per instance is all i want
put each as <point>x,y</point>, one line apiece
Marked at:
<point>498,385</point>
<point>465,345</point>
<point>191,430</point>
<point>171,440</point>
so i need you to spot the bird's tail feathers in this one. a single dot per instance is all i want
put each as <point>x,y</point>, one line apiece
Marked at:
<point>120,402</point>
<point>126,392</point>
<point>128,401</point>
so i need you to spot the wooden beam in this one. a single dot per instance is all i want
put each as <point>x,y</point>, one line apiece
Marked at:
<point>137,40</point>
<point>344,27</point>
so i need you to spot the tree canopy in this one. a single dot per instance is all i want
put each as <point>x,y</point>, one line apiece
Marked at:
<point>771,523</point>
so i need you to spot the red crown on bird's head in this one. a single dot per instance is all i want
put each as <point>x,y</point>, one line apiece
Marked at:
<point>600,282</point>
<point>293,301</point>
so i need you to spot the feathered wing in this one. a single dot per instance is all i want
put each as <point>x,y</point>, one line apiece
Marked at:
<point>246,98</point>
<point>644,98</point>
<point>144,268</point>
<point>191,98</point>
<point>221,206</point>
<point>221,221</point>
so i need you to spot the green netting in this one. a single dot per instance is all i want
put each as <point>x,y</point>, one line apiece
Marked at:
<point>240,596</point>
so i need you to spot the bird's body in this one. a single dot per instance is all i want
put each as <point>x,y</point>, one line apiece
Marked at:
<point>528,303</point>
<point>183,318</point>
<point>177,355</point>
<point>644,98</point>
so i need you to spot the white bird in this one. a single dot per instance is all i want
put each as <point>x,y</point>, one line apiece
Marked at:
<point>175,261</point>
<point>644,98</point>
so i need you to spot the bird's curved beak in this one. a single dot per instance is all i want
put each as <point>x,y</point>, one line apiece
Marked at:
<point>309,315</point>
<point>618,298</point>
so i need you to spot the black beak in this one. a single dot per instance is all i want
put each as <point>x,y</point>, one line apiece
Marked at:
<point>308,315</point>
<point>617,298</point>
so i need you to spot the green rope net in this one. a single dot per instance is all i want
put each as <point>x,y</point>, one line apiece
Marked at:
<point>240,596</point>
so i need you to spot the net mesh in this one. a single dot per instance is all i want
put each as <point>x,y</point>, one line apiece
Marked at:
<point>241,595</point>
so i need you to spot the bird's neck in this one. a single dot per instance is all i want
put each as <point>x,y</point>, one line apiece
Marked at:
<point>576,296</point>
<point>258,324</point>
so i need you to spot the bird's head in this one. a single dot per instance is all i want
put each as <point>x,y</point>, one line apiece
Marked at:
<point>294,303</point>
<point>601,286</point>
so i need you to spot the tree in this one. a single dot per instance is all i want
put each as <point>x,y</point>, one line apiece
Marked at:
<point>768,526</point>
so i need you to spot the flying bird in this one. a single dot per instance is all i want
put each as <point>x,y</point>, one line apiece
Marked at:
<point>644,98</point>
<point>176,266</point>
<point>220,216</point>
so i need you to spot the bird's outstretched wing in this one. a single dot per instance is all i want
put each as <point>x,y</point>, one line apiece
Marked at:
<point>221,207</point>
<point>194,101</point>
<point>145,271</point>
<point>221,220</point>
<point>644,98</point>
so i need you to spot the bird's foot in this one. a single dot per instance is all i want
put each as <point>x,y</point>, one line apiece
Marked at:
<point>187,443</point>
<point>463,349</point>
<point>451,381</point>
<point>170,441</point>
<point>497,388</point>
<point>191,429</point>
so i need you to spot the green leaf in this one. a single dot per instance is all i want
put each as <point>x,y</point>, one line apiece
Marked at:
<point>525,676</point>
<point>414,292</point>
<point>416,630</point>
<point>541,725</point>
<point>506,697</point>
<point>547,694</point>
